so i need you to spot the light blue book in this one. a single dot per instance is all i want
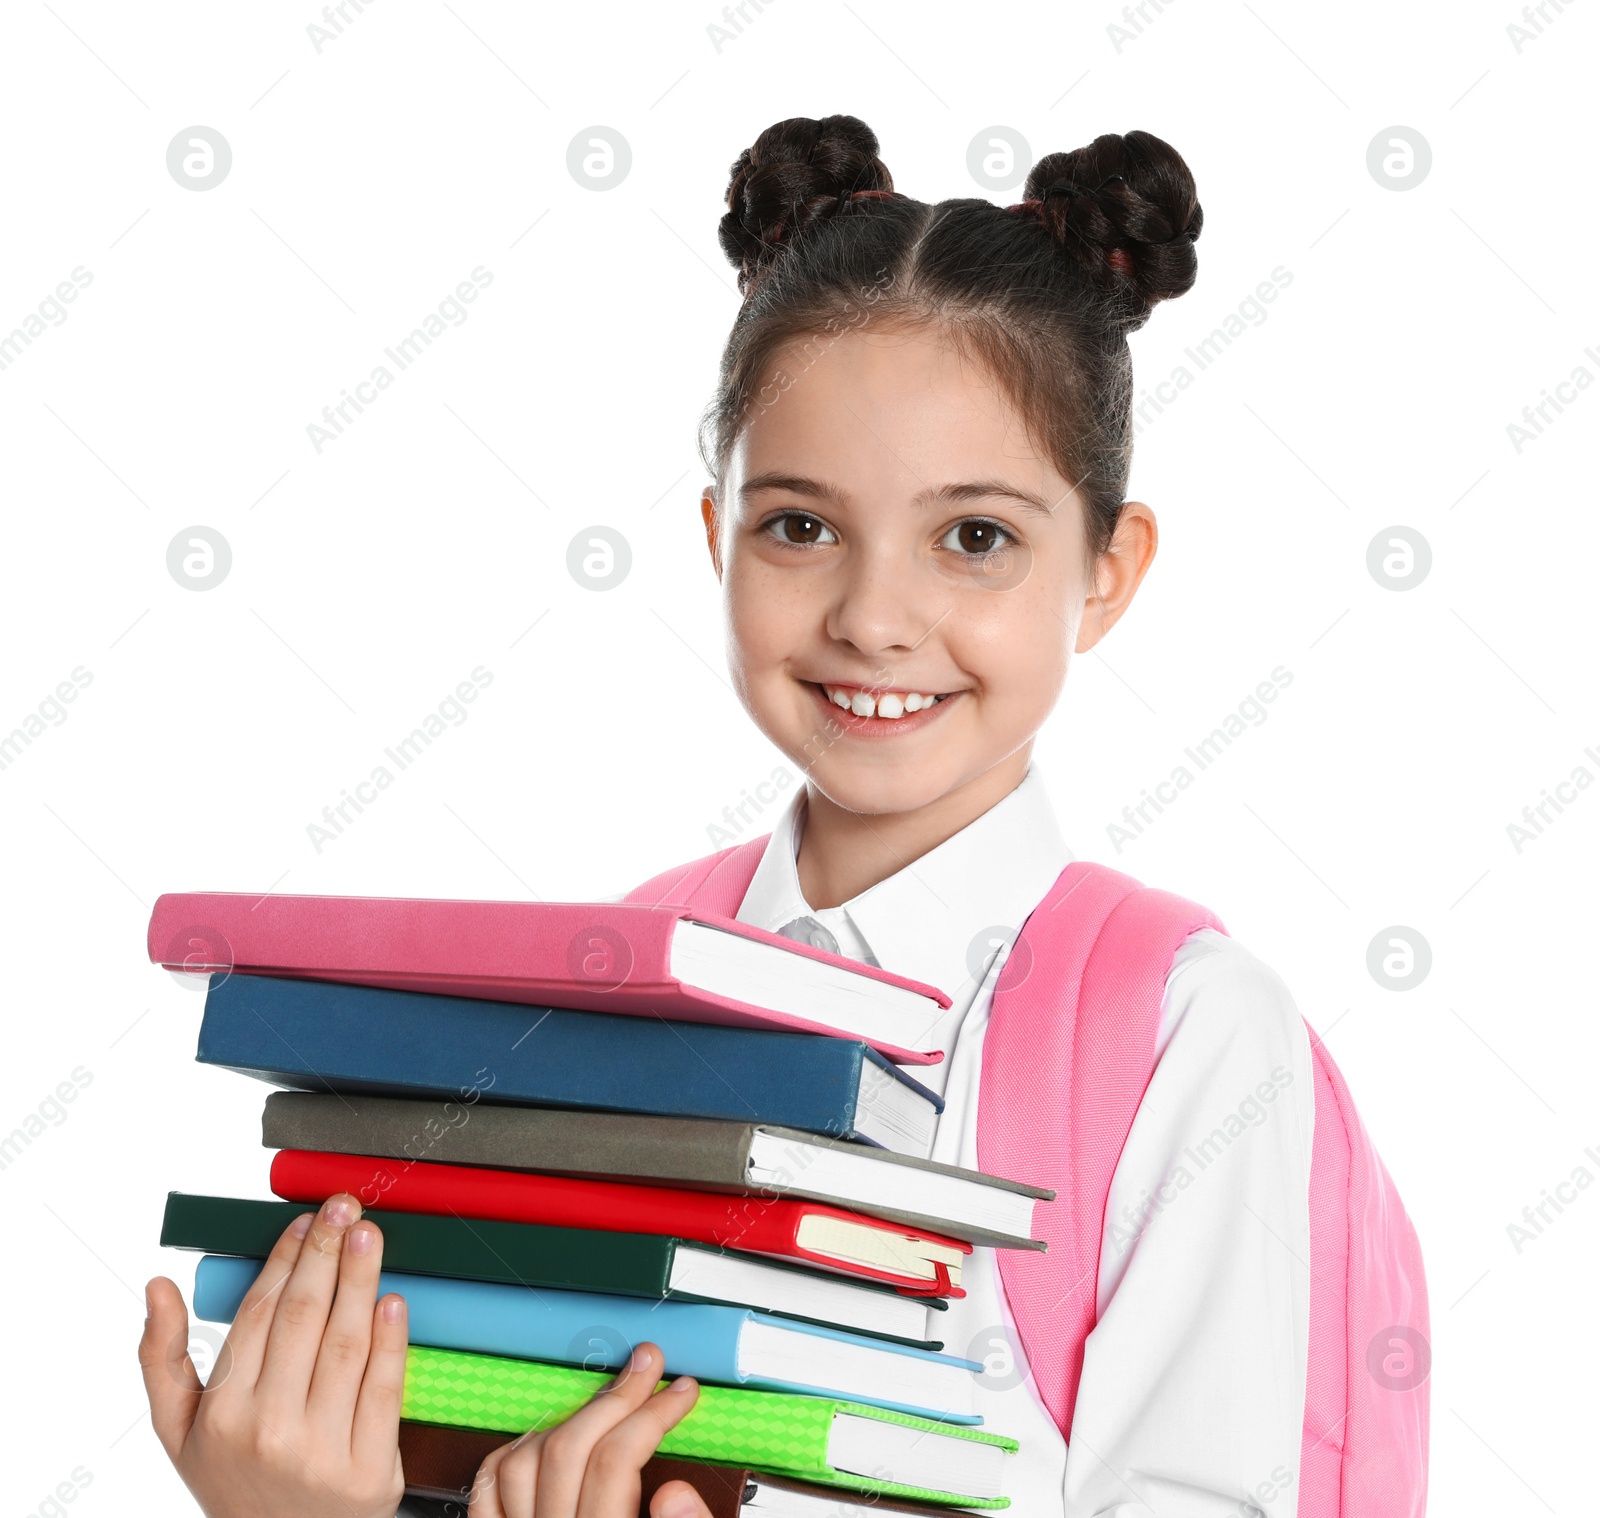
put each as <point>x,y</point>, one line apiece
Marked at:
<point>732,1346</point>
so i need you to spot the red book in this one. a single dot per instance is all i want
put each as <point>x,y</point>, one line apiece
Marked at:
<point>667,961</point>
<point>790,1228</point>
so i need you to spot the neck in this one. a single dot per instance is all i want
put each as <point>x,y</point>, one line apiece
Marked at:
<point>843,853</point>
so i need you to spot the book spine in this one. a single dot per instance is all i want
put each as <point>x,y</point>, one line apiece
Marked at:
<point>691,1152</point>
<point>598,948</point>
<point>319,1035</point>
<point>302,1175</point>
<point>626,1264</point>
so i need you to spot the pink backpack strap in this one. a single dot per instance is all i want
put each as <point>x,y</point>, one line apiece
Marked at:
<point>1365,1445</point>
<point>714,884</point>
<point>1072,1034</point>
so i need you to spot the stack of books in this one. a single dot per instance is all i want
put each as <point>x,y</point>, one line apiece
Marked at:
<point>582,1126</point>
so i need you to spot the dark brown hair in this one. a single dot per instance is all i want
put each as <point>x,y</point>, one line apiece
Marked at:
<point>1043,293</point>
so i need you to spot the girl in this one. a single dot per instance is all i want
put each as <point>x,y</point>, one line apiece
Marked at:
<point>919,452</point>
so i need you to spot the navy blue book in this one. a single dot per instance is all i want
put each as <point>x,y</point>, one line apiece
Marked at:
<point>313,1035</point>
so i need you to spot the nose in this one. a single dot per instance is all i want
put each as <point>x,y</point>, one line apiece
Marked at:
<point>882,607</point>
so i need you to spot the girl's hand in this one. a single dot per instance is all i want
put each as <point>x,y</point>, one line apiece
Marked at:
<point>302,1411</point>
<point>589,1465</point>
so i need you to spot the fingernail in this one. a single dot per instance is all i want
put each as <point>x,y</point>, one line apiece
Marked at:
<point>337,1211</point>
<point>394,1308</point>
<point>301,1225</point>
<point>638,1359</point>
<point>361,1239</point>
<point>683,1383</point>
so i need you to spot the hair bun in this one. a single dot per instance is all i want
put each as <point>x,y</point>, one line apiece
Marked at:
<point>1124,207</point>
<point>794,174</point>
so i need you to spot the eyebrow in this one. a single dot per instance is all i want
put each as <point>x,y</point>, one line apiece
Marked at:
<point>967,490</point>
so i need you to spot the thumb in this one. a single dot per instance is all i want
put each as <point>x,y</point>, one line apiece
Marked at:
<point>170,1380</point>
<point>678,1499</point>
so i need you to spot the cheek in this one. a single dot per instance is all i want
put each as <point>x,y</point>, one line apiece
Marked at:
<point>1017,644</point>
<point>767,616</point>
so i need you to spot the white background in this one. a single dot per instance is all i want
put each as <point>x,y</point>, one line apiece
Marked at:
<point>371,177</point>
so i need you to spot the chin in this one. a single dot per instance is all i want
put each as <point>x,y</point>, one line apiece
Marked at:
<point>879,790</point>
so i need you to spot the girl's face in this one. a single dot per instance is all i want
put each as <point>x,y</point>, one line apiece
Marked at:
<point>905,575</point>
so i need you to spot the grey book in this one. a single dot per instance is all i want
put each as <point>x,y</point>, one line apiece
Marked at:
<point>707,1154</point>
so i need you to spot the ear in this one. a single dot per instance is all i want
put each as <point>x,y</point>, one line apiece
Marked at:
<point>708,515</point>
<point>1118,572</point>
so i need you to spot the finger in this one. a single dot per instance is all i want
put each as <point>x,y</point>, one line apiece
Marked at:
<point>611,1484</point>
<point>170,1380</point>
<point>516,1478</point>
<point>376,1428</point>
<point>678,1499</point>
<point>301,1313</point>
<point>247,1337</point>
<point>483,1500</point>
<point>342,1355</point>
<point>567,1456</point>
<point>488,1497</point>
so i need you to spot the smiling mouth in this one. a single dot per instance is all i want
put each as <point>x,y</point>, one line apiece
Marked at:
<point>892,704</point>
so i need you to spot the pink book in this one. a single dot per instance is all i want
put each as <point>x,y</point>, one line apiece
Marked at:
<point>668,960</point>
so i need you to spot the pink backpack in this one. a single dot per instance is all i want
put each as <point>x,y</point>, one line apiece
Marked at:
<point>1072,1030</point>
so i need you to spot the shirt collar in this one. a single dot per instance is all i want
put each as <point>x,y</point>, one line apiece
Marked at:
<point>936,919</point>
<point>773,898</point>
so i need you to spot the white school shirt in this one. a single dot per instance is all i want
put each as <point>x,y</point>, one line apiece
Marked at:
<point>1193,1386</point>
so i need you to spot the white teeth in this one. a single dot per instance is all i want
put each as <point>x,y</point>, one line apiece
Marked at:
<point>891,704</point>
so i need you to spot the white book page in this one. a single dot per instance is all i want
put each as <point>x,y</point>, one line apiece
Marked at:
<point>854,1371</point>
<point>893,1114</point>
<point>915,1457</point>
<point>874,1184</point>
<point>731,1278</point>
<point>744,969</point>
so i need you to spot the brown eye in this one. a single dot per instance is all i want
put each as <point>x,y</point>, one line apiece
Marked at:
<point>976,537</point>
<point>798,528</point>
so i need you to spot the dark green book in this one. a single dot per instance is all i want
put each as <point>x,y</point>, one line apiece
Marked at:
<point>576,1259</point>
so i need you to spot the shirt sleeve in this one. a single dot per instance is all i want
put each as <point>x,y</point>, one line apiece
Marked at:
<point>1192,1394</point>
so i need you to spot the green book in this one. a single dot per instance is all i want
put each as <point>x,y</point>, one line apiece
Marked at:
<point>822,1439</point>
<point>577,1259</point>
